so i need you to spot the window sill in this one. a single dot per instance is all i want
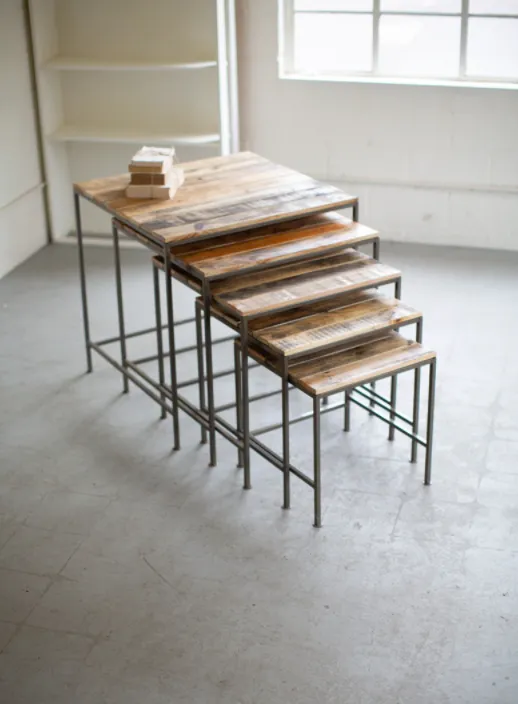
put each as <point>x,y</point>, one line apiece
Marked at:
<point>397,81</point>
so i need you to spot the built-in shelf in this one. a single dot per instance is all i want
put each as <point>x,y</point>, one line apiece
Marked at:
<point>70,63</point>
<point>111,76</point>
<point>69,133</point>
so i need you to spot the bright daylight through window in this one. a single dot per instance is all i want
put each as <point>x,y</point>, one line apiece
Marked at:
<point>451,40</point>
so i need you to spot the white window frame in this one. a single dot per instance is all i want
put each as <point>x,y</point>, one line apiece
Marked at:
<point>287,70</point>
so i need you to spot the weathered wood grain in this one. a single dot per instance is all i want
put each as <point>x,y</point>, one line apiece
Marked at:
<point>271,246</point>
<point>295,284</point>
<point>305,310</point>
<point>335,323</point>
<point>328,262</point>
<point>219,196</point>
<point>346,368</point>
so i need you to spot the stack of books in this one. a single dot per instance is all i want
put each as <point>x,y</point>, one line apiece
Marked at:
<point>153,174</point>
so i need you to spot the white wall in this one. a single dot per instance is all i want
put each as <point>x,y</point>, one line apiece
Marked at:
<point>430,164</point>
<point>22,220</point>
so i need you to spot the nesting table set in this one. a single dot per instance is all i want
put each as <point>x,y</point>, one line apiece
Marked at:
<point>270,257</point>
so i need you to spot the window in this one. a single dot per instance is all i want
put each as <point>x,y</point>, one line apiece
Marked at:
<point>402,40</point>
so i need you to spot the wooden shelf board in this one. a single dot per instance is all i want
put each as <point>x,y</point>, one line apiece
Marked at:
<point>69,133</point>
<point>70,63</point>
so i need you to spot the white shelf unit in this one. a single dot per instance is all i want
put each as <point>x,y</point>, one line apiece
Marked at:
<point>113,75</point>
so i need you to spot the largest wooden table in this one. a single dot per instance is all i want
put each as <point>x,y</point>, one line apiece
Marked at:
<point>220,196</point>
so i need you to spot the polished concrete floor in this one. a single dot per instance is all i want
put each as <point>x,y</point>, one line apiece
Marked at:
<point>131,575</point>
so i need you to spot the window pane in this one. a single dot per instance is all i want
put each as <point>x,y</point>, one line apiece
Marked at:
<point>494,7</point>
<point>492,48</point>
<point>331,43</point>
<point>419,46</point>
<point>422,5</point>
<point>334,5</point>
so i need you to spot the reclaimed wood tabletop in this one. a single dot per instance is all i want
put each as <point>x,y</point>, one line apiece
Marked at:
<point>333,322</point>
<point>374,357</point>
<point>220,195</point>
<point>293,285</point>
<point>271,246</point>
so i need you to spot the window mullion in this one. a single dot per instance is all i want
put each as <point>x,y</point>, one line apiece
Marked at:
<point>376,15</point>
<point>464,38</point>
<point>286,58</point>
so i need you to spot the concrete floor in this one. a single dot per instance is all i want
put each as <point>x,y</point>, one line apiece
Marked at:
<point>130,575</point>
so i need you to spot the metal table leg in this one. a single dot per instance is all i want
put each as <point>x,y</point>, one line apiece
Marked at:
<point>393,381</point>
<point>82,278</point>
<point>159,341</point>
<point>246,404</point>
<point>429,429</point>
<point>201,369</point>
<point>210,373</point>
<point>120,305</point>
<point>316,463</point>
<point>286,433</point>
<point>239,402</point>
<point>376,256</point>
<point>172,347</point>
<point>417,395</point>
<point>347,411</point>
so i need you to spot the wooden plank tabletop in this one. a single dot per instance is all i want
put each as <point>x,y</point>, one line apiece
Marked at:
<point>345,369</point>
<point>271,246</point>
<point>352,365</point>
<point>293,285</point>
<point>219,196</point>
<point>334,322</point>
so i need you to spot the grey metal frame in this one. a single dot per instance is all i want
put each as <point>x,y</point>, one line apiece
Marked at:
<point>159,340</point>
<point>365,391</point>
<point>171,401</point>
<point>172,346</point>
<point>82,281</point>
<point>120,304</point>
<point>374,400</point>
<point>393,381</point>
